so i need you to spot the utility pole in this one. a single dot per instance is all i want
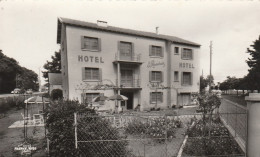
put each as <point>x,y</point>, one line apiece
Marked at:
<point>210,75</point>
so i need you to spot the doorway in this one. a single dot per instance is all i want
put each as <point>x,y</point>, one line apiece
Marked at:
<point>129,102</point>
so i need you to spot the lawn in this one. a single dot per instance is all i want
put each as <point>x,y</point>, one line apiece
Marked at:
<point>237,99</point>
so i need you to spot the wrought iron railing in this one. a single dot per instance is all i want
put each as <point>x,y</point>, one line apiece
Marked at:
<point>135,83</point>
<point>133,58</point>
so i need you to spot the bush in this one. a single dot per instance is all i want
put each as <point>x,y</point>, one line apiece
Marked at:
<point>10,102</point>
<point>56,94</point>
<point>91,128</point>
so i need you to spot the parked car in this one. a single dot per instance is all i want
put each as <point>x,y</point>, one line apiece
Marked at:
<point>29,91</point>
<point>16,91</point>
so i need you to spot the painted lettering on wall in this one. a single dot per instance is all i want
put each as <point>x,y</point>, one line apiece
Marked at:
<point>153,63</point>
<point>186,65</point>
<point>92,59</point>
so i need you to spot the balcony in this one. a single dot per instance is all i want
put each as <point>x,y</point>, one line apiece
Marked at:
<point>132,59</point>
<point>129,84</point>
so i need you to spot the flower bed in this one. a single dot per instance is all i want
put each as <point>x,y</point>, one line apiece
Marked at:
<point>210,138</point>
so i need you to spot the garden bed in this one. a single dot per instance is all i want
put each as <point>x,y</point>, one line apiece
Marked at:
<point>210,138</point>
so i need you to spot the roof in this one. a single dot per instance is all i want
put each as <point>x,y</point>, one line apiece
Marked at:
<point>121,31</point>
<point>55,78</point>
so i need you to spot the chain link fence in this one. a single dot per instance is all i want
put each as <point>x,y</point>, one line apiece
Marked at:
<point>153,135</point>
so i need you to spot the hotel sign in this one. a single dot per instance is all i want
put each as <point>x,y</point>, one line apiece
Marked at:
<point>153,63</point>
<point>90,59</point>
<point>186,65</point>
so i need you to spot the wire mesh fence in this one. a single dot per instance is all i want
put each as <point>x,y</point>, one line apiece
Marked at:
<point>154,135</point>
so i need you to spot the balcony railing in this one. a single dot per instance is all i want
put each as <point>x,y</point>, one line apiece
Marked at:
<point>135,83</point>
<point>133,58</point>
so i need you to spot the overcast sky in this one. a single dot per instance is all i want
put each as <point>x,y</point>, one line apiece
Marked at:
<point>28,29</point>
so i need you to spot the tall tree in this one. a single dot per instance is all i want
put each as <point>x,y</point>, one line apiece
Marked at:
<point>53,66</point>
<point>254,64</point>
<point>12,75</point>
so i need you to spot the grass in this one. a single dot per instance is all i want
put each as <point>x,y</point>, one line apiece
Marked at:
<point>237,99</point>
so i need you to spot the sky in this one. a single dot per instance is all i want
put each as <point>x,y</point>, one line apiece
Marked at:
<point>28,29</point>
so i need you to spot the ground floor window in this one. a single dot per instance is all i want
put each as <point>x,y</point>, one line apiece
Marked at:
<point>156,97</point>
<point>90,96</point>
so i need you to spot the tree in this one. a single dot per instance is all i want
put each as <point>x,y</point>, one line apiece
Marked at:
<point>53,66</point>
<point>254,64</point>
<point>204,82</point>
<point>12,75</point>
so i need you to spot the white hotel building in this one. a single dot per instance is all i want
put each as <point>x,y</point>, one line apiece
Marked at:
<point>153,70</point>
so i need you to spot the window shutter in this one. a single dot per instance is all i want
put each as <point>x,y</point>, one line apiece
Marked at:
<point>99,44</point>
<point>181,53</point>
<point>162,76</point>
<point>83,73</point>
<point>150,97</point>
<point>162,53</point>
<point>191,79</point>
<point>100,74</point>
<point>150,76</point>
<point>162,96</point>
<point>82,42</point>
<point>118,50</point>
<point>150,50</point>
<point>191,54</point>
<point>133,48</point>
<point>181,78</point>
<point>82,98</point>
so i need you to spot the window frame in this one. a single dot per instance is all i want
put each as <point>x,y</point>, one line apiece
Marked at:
<point>157,95</point>
<point>190,81</point>
<point>154,72</point>
<point>83,40</point>
<point>184,54</point>
<point>92,79</point>
<point>155,54</point>
<point>92,95</point>
<point>176,48</point>
<point>176,78</point>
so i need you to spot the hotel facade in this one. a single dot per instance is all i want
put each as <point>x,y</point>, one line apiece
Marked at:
<point>150,69</point>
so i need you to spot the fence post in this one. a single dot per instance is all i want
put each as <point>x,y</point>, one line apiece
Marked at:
<point>253,125</point>
<point>75,125</point>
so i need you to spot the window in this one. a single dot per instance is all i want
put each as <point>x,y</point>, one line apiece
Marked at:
<point>156,97</point>
<point>187,78</point>
<point>90,96</point>
<point>156,76</point>
<point>90,43</point>
<point>91,74</point>
<point>176,50</point>
<point>156,51</point>
<point>186,53</point>
<point>176,76</point>
<point>125,49</point>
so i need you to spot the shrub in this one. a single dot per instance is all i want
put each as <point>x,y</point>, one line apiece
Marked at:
<point>10,102</point>
<point>56,94</point>
<point>91,128</point>
<point>210,139</point>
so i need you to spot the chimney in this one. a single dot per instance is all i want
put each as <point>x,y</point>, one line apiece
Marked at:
<point>102,23</point>
<point>157,30</point>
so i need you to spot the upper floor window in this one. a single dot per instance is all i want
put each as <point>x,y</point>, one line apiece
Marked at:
<point>186,78</point>
<point>176,76</point>
<point>176,50</point>
<point>186,53</point>
<point>93,74</point>
<point>90,43</point>
<point>156,51</point>
<point>156,76</point>
<point>126,50</point>
<point>156,97</point>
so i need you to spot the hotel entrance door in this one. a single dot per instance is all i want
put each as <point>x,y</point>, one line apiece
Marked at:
<point>129,102</point>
